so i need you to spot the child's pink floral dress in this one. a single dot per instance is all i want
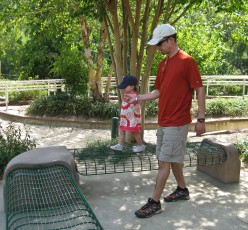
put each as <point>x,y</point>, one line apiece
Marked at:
<point>130,117</point>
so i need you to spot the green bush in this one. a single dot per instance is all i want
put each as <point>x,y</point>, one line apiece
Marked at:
<point>242,147</point>
<point>69,66</point>
<point>63,104</point>
<point>13,142</point>
<point>223,107</point>
<point>152,108</point>
<point>17,97</point>
<point>227,90</point>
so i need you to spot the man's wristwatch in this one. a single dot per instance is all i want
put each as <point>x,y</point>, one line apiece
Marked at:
<point>137,98</point>
<point>201,120</point>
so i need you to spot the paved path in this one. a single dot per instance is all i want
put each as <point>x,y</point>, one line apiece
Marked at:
<point>212,206</point>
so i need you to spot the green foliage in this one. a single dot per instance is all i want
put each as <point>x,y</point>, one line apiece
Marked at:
<point>21,96</point>
<point>242,147</point>
<point>35,33</point>
<point>215,38</point>
<point>217,41</point>
<point>55,105</point>
<point>227,107</point>
<point>63,104</point>
<point>100,150</point>
<point>227,90</point>
<point>219,107</point>
<point>151,108</point>
<point>36,57</point>
<point>70,67</point>
<point>13,141</point>
<point>11,37</point>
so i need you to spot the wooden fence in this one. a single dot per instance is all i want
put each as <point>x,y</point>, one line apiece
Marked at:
<point>50,85</point>
<point>208,81</point>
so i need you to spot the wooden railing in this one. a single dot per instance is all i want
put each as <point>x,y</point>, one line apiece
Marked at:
<point>208,81</point>
<point>50,85</point>
<point>235,80</point>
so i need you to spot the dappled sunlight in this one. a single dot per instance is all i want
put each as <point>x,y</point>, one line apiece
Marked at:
<point>123,208</point>
<point>187,223</point>
<point>212,205</point>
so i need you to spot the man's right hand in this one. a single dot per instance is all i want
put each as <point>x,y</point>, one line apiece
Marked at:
<point>130,98</point>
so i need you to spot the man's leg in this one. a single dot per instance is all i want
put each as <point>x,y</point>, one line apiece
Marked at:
<point>181,192</point>
<point>162,176</point>
<point>177,169</point>
<point>177,166</point>
<point>153,206</point>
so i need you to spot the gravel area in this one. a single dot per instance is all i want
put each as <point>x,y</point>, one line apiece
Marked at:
<point>78,137</point>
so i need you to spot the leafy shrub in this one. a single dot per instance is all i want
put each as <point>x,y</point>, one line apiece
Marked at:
<point>227,90</point>
<point>242,146</point>
<point>100,151</point>
<point>13,141</point>
<point>16,97</point>
<point>152,108</point>
<point>227,107</point>
<point>64,105</point>
<point>69,66</point>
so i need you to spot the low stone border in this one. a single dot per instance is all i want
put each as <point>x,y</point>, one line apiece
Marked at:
<point>211,124</point>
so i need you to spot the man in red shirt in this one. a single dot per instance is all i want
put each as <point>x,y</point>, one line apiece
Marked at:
<point>178,76</point>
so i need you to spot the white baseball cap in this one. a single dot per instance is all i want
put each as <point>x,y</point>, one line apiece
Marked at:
<point>160,32</point>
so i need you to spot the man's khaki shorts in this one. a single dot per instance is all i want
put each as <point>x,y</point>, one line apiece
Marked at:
<point>171,143</point>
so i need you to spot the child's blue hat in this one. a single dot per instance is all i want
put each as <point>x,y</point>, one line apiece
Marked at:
<point>126,81</point>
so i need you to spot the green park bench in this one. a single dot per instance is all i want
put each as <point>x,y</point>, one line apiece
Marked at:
<point>41,191</point>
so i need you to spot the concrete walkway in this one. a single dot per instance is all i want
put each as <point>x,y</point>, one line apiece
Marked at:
<point>213,205</point>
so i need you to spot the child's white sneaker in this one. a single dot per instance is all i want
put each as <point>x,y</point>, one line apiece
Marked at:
<point>139,148</point>
<point>117,147</point>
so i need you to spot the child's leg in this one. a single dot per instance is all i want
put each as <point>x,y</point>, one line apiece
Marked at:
<point>119,146</point>
<point>137,138</point>
<point>121,136</point>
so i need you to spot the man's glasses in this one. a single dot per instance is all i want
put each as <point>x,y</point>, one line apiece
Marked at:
<point>162,41</point>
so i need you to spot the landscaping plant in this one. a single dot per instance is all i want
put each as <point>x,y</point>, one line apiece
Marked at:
<point>13,141</point>
<point>242,147</point>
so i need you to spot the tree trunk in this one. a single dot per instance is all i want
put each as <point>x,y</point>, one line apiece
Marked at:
<point>95,75</point>
<point>108,84</point>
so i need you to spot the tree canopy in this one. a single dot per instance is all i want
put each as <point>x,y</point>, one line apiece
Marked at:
<point>112,35</point>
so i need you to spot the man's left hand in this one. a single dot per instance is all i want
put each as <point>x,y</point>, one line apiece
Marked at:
<point>199,128</point>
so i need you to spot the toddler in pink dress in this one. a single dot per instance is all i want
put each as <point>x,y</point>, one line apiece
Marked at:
<point>130,116</point>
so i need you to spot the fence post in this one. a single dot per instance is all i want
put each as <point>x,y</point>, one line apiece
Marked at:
<point>244,89</point>
<point>6,96</point>
<point>115,127</point>
<point>207,87</point>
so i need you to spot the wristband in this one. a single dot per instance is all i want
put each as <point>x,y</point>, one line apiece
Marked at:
<point>201,120</point>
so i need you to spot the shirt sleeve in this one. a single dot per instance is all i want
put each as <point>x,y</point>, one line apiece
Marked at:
<point>194,76</point>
